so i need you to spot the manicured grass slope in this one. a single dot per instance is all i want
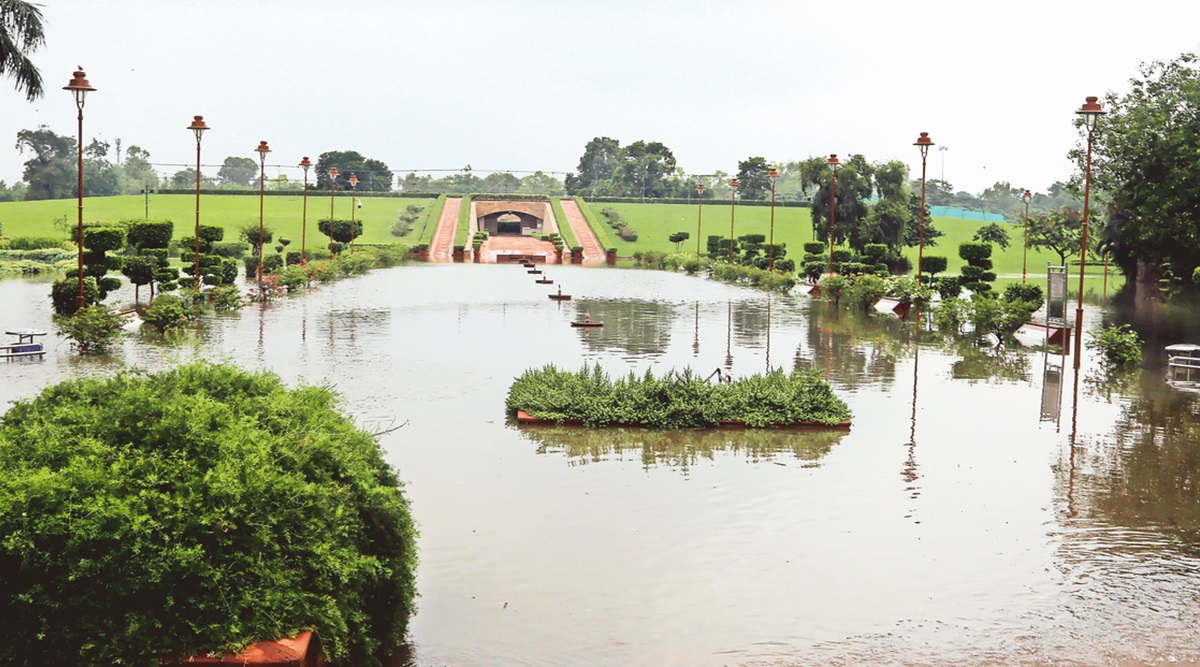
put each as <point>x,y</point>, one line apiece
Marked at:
<point>282,214</point>
<point>793,226</point>
<point>653,222</point>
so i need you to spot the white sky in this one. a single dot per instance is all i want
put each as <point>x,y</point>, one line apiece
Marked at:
<point>525,84</point>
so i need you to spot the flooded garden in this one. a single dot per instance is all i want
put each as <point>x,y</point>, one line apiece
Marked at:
<point>987,505</point>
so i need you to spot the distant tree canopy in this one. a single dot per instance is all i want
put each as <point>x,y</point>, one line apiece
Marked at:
<point>240,171</point>
<point>752,178</point>
<point>373,175</point>
<point>638,170</point>
<point>1145,151</point>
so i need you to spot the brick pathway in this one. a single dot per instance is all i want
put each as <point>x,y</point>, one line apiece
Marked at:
<point>442,248</point>
<point>593,253</point>
<point>497,246</point>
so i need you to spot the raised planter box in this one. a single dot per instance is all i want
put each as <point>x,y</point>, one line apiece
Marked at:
<point>303,650</point>
<point>526,419</point>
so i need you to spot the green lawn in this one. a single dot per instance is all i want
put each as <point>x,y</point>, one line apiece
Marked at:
<point>282,214</point>
<point>793,226</point>
<point>653,222</point>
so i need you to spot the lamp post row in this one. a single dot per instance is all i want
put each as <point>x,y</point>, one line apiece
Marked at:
<point>1090,113</point>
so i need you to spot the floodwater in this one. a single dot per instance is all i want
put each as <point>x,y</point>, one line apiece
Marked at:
<point>987,507</point>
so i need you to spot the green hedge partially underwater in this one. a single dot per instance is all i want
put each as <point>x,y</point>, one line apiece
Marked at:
<point>676,400</point>
<point>193,510</point>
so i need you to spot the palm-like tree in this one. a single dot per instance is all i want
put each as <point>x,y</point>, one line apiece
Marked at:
<point>20,34</point>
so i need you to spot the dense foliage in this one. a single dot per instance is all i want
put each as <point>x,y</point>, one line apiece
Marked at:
<point>92,329</point>
<point>1118,346</point>
<point>1145,159</point>
<point>192,510</point>
<point>676,400</point>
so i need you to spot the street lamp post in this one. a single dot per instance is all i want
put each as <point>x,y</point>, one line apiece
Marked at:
<point>262,151</point>
<point>1025,252</point>
<point>198,128</point>
<point>79,88</point>
<point>733,186</point>
<point>773,175</point>
<point>1091,112</point>
<point>353,205</point>
<point>699,215</point>
<point>923,143</point>
<point>304,164</point>
<point>333,174</point>
<point>833,164</point>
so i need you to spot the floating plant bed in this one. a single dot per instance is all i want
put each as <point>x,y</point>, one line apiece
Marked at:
<point>799,400</point>
<point>534,271</point>
<point>587,324</point>
<point>560,297</point>
<point>526,419</point>
<point>544,281</point>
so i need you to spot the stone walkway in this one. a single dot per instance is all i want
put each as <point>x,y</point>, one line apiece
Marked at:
<point>593,252</point>
<point>496,246</point>
<point>442,248</point>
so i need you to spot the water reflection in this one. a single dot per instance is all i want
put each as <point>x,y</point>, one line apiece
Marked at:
<point>635,328</point>
<point>987,363</point>
<point>952,526</point>
<point>681,450</point>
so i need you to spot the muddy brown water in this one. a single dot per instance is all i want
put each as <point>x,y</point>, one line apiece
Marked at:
<point>985,508</point>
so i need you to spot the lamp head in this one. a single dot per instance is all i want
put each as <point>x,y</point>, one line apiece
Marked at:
<point>79,86</point>
<point>923,143</point>
<point>1091,112</point>
<point>1026,197</point>
<point>305,164</point>
<point>700,188</point>
<point>333,173</point>
<point>262,151</point>
<point>833,163</point>
<point>198,127</point>
<point>773,175</point>
<point>353,180</point>
<point>734,183</point>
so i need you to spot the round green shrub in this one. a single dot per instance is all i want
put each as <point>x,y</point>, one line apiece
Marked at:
<point>814,248</point>
<point>973,250</point>
<point>196,510</point>
<point>934,264</point>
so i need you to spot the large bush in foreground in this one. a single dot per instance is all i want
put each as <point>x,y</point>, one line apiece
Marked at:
<point>191,510</point>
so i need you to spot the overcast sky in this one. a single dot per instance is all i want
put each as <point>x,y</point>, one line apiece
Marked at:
<point>525,84</point>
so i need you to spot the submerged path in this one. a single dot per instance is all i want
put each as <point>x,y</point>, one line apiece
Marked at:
<point>593,252</point>
<point>442,248</point>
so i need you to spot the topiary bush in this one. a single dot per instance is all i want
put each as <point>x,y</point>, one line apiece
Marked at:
<point>196,510</point>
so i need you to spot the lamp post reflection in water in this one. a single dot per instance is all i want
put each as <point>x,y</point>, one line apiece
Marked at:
<point>729,338</point>
<point>696,333</point>
<point>699,215</point>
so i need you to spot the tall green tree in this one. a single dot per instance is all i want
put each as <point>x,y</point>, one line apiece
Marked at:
<point>240,171</point>
<point>854,187</point>
<point>752,178</point>
<point>645,169</point>
<point>1058,231</point>
<point>1145,158</point>
<point>373,175</point>
<point>51,170</point>
<point>21,33</point>
<point>600,159</point>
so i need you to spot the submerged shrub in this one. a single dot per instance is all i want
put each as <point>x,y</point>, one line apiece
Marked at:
<point>196,510</point>
<point>1119,346</point>
<point>92,329</point>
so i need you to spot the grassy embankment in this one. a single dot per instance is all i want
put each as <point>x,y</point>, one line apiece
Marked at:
<point>793,226</point>
<point>653,222</point>
<point>282,214</point>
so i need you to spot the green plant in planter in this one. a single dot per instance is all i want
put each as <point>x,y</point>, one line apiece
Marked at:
<point>93,329</point>
<point>196,510</point>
